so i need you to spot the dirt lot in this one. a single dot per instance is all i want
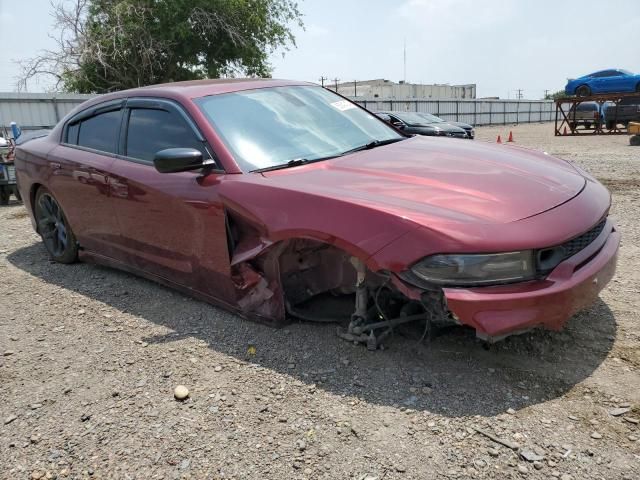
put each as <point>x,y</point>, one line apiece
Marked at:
<point>90,357</point>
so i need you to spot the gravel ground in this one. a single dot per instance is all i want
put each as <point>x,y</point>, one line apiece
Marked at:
<point>90,358</point>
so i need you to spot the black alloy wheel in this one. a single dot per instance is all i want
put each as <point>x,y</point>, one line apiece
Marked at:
<point>54,229</point>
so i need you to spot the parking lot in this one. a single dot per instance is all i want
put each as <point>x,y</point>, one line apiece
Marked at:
<point>90,358</point>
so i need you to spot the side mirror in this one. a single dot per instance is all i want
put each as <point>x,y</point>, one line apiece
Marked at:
<point>173,160</point>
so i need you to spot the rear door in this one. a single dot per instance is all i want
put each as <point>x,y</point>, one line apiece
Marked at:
<point>173,225</point>
<point>79,170</point>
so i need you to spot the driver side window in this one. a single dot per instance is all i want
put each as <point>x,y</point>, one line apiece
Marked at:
<point>152,130</point>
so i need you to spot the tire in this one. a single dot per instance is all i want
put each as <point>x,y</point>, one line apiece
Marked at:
<point>16,193</point>
<point>583,91</point>
<point>611,125</point>
<point>57,236</point>
<point>5,193</point>
<point>587,125</point>
<point>634,140</point>
<point>572,125</point>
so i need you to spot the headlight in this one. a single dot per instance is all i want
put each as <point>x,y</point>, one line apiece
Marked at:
<point>476,269</point>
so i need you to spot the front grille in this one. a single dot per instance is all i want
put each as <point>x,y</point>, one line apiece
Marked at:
<point>549,258</point>
<point>579,243</point>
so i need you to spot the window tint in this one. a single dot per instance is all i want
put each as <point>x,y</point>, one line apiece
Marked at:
<point>100,132</point>
<point>153,130</point>
<point>606,73</point>
<point>72,133</point>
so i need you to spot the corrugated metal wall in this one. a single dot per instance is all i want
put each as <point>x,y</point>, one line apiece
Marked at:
<point>36,110</point>
<point>43,110</point>
<point>475,112</point>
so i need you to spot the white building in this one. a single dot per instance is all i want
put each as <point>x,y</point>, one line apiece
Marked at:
<point>387,90</point>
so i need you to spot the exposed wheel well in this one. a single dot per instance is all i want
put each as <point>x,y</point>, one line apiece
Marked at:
<point>32,199</point>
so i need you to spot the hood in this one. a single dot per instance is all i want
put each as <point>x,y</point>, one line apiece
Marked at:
<point>423,178</point>
<point>446,127</point>
<point>464,126</point>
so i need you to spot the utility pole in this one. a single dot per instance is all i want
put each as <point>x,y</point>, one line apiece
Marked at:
<point>519,97</point>
<point>336,80</point>
<point>546,94</point>
<point>355,88</point>
<point>322,79</point>
<point>404,76</point>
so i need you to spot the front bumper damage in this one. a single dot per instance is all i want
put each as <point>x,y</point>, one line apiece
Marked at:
<point>295,279</point>
<point>496,312</point>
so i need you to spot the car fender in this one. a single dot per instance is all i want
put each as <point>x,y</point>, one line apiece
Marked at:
<point>272,215</point>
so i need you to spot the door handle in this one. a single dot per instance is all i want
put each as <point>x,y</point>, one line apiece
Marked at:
<point>55,165</point>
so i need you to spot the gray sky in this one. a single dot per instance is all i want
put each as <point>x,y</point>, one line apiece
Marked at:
<point>501,45</point>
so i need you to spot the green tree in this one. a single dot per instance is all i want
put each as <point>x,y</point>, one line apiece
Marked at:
<point>106,45</point>
<point>555,95</point>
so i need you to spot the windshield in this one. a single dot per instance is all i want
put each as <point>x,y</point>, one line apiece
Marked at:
<point>412,118</point>
<point>431,118</point>
<point>273,126</point>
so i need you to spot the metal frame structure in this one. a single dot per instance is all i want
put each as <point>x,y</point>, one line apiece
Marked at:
<point>564,126</point>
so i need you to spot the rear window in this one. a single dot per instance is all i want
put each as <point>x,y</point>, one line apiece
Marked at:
<point>587,107</point>
<point>99,132</point>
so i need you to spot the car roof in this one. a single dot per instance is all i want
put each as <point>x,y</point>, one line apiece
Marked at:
<point>203,88</point>
<point>192,89</point>
<point>607,70</point>
<point>394,112</point>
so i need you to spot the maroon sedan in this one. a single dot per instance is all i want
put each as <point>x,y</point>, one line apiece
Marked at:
<point>279,199</point>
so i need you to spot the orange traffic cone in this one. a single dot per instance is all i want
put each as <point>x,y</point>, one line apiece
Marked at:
<point>510,136</point>
<point>499,140</point>
<point>565,131</point>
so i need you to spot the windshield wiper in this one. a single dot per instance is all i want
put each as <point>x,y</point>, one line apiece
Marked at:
<point>303,161</point>
<point>291,163</point>
<point>372,144</point>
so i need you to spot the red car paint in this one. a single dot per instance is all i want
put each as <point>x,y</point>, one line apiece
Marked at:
<point>390,207</point>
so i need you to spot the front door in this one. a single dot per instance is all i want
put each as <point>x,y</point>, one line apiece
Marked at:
<point>172,225</point>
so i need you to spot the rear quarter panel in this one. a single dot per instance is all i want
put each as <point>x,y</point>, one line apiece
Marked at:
<point>32,169</point>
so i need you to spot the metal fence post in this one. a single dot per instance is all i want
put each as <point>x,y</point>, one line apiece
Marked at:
<point>56,112</point>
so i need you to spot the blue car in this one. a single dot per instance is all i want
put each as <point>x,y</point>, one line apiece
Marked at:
<point>604,81</point>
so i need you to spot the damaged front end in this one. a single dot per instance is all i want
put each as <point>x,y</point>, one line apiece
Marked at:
<point>319,282</point>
